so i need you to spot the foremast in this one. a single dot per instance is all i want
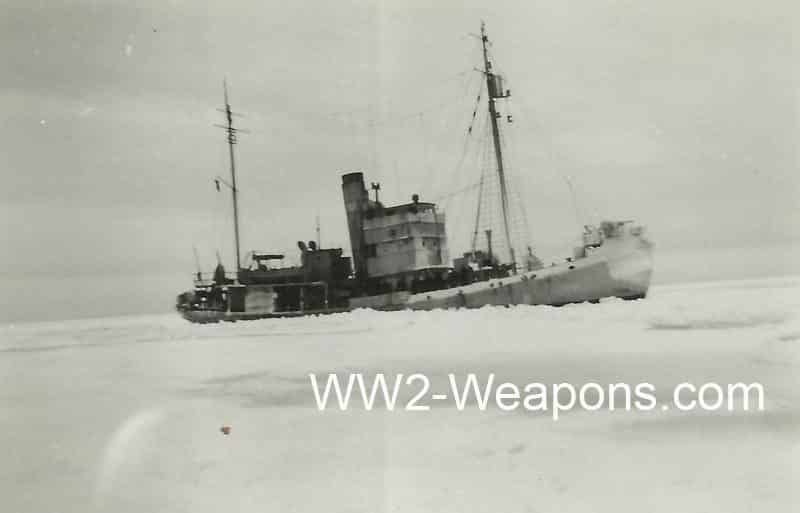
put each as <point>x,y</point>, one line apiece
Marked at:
<point>493,93</point>
<point>231,131</point>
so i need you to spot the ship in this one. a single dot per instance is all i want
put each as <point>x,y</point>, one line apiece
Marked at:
<point>399,256</point>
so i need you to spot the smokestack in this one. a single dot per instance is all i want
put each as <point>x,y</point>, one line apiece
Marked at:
<point>355,202</point>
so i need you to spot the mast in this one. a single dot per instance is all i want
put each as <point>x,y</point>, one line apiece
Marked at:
<point>231,141</point>
<point>319,240</point>
<point>491,87</point>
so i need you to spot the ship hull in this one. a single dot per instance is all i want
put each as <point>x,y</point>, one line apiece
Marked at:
<point>585,280</point>
<point>215,316</point>
<point>621,267</point>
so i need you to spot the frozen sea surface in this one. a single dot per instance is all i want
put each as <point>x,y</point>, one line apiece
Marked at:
<point>123,415</point>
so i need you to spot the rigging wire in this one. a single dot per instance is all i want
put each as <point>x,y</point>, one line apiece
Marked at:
<point>468,148</point>
<point>520,221</point>
<point>457,192</point>
<point>477,216</point>
<point>491,185</point>
<point>428,125</point>
<point>433,180</point>
<point>578,216</point>
<point>583,217</point>
<point>366,111</point>
<point>465,145</point>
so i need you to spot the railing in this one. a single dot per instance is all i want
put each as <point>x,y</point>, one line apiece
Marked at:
<point>201,278</point>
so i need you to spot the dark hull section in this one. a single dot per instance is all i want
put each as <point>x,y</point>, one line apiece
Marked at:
<point>215,316</point>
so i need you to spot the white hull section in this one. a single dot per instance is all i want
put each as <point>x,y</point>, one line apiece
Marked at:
<point>619,267</point>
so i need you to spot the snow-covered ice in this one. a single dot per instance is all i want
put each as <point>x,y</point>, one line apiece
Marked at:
<point>124,414</point>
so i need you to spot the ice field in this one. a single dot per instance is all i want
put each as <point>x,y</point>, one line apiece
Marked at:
<point>124,414</point>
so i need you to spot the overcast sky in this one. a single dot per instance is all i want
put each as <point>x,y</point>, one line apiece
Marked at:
<point>681,114</point>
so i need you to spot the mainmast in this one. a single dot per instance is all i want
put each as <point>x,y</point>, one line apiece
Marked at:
<point>232,186</point>
<point>495,90</point>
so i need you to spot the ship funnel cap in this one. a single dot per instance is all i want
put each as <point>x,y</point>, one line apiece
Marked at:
<point>356,177</point>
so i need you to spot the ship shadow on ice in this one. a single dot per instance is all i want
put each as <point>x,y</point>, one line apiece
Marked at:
<point>21,348</point>
<point>112,337</point>
<point>725,305</point>
<point>254,376</point>
<point>257,389</point>
<point>790,337</point>
<point>782,422</point>
<point>719,322</point>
